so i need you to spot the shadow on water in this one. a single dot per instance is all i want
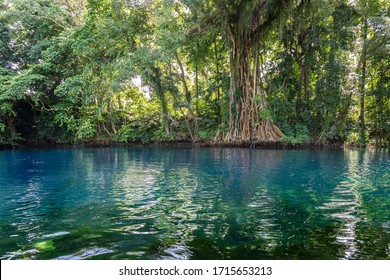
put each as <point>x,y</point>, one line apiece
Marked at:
<point>194,203</point>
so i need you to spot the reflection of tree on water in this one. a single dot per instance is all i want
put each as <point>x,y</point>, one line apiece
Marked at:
<point>350,205</point>
<point>250,218</point>
<point>287,205</point>
<point>230,227</point>
<point>200,203</point>
<point>223,202</point>
<point>345,204</point>
<point>370,177</point>
<point>178,210</point>
<point>154,201</point>
<point>227,203</point>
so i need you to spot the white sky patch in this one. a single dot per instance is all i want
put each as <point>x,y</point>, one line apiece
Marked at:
<point>352,2</point>
<point>145,90</point>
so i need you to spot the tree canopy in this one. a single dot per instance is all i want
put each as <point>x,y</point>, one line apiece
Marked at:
<point>291,71</point>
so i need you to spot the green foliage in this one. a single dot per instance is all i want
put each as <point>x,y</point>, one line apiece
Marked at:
<point>46,245</point>
<point>86,129</point>
<point>8,138</point>
<point>265,114</point>
<point>143,129</point>
<point>74,71</point>
<point>299,134</point>
<point>207,134</point>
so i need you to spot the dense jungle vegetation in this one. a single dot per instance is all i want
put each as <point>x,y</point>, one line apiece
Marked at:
<point>102,71</point>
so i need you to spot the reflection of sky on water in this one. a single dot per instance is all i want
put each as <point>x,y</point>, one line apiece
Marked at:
<point>343,206</point>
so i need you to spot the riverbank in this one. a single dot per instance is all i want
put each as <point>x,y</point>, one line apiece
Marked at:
<point>228,144</point>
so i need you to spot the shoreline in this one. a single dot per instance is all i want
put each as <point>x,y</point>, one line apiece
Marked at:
<point>277,145</point>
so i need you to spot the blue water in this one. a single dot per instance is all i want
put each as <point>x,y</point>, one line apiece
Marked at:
<point>194,203</point>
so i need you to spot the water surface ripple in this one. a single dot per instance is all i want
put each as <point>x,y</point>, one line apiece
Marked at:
<point>194,203</point>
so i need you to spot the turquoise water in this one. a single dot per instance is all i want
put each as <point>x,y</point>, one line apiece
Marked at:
<point>194,203</point>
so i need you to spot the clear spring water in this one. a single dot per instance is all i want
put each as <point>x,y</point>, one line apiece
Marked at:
<point>194,203</point>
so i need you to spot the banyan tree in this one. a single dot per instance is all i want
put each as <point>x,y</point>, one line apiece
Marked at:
<point>246,22</point>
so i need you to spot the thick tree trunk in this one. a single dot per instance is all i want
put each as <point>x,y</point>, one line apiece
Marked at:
<point>247,98</point>
<point>192,122</point>
<point>303,98</point>
<point>218,79</point>
<point>249,117</point>
<point>156,78</point>
<point>363,62</point>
